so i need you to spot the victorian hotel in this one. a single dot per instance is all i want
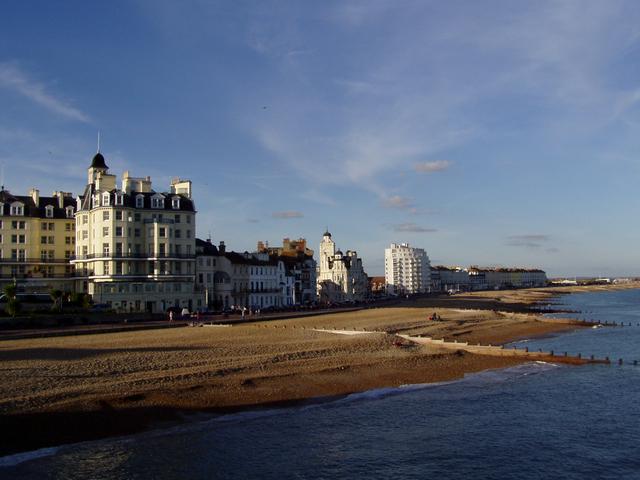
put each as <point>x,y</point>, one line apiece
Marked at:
<point>135,247</point>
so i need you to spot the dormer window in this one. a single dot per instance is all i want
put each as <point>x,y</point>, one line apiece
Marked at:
<point>69,212</point>
<point>175,203</point>
<point>17,209</point>
<point>105,199</point>
<point>96,200</point>
<point>157,201</point>
<point>48,211</point>
<point>140,201</point>
<point>119,199</point>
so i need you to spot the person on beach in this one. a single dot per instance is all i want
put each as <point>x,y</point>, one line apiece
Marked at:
<point>170,315</point>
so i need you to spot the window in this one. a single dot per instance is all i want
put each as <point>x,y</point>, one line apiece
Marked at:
<point>188,233</point>
<point>18,238</point>
<point>162,232</point>
<point>68,227</point>
<point>43,240</point>
<point>175,203</point>
<point>178,233</point>
<point>118,268</point>
<point>119,215</point>
<point>69,212</point>
<point>43,254</point>
<point>85,234</point>
<point>105,249</point>
<point>96,200</point>
<point>17,208</point>
<point>105,231</point>
<point>105,215</point>
<point>67,240</point>
<point>67,254</point>
<point>188,218</point>
<point>140,201</point>
<point>105,199</point>
<point>52,226</point>
<point>48,211</point>
<point>119,199</point>
<point>51,240</point>
<point>157,202</point>
<point>105,268</point>
<point>177,218</point>
<point>18,224</point>
<point>85,219</point>
<point>137,217</point>
<point>136,232</point>
<point>118,231</point>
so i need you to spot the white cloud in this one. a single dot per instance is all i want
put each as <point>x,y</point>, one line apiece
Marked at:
<point>396,201</point>
<point>13,78</point>
<point>287,214</point>
<point>431,167</point>
<point>411,227</point>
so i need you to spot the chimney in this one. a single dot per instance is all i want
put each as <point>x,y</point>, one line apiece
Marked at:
<point>35,196</point>
<point>222,248</point>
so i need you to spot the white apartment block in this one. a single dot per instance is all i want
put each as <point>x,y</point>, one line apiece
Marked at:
<point>135,247</point>
<point>406,269</point>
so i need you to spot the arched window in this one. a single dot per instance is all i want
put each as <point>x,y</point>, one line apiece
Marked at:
<point>175,203</point>
<point>48,211</point>
<point>140,201</point>
<point>69,212</point>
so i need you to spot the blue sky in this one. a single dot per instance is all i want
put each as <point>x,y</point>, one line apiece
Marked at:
<point>491,133</point>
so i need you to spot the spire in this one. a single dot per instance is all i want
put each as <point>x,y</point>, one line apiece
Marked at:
<point>98,142</point>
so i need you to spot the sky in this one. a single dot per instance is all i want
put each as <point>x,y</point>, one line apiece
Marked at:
<point>488,133</point>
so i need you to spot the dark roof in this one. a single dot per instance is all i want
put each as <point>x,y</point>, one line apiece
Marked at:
<point>326,233</point>
<point>206,248</point>
<point>30,208</point>
<point>98,161</point>
<point>186,204</point>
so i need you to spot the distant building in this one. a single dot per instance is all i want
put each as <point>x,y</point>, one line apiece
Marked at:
<point>300,267</point>
<point>37,240</point>
<point>135,247</point>
<point>450,279</point>
<point>377,285</point>
<point>406,269</point>
<point>250,280</point>
<point>340,277</point>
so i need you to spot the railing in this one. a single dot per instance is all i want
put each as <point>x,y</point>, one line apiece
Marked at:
<point>37,276</point>
<point>159,220</point>
<point>134,256</point>
<point>33,260</point>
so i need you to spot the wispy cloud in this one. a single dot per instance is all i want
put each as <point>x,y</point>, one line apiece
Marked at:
<point>431,167</point>
<point>411,227</point>
<point>287,214</point>
<point>14,78</point>
<point>396,201</point>
<point>528,241</point>
<point>253,220</point>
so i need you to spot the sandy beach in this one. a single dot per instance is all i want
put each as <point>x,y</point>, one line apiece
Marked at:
<point>66,389</point>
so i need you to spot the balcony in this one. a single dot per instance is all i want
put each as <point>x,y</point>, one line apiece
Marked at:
<point>134,256</point>
<point>33,260</point>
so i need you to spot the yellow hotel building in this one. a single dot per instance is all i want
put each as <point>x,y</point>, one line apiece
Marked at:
<point>37,238</point>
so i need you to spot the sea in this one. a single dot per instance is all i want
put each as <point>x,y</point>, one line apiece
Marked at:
<point>533,421</point>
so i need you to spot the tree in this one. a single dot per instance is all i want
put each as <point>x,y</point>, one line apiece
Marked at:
<point>13,305</point>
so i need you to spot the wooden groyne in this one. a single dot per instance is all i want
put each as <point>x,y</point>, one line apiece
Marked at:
<point>501,351</point>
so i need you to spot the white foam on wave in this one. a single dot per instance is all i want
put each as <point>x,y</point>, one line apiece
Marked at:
<point>18,458</point>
